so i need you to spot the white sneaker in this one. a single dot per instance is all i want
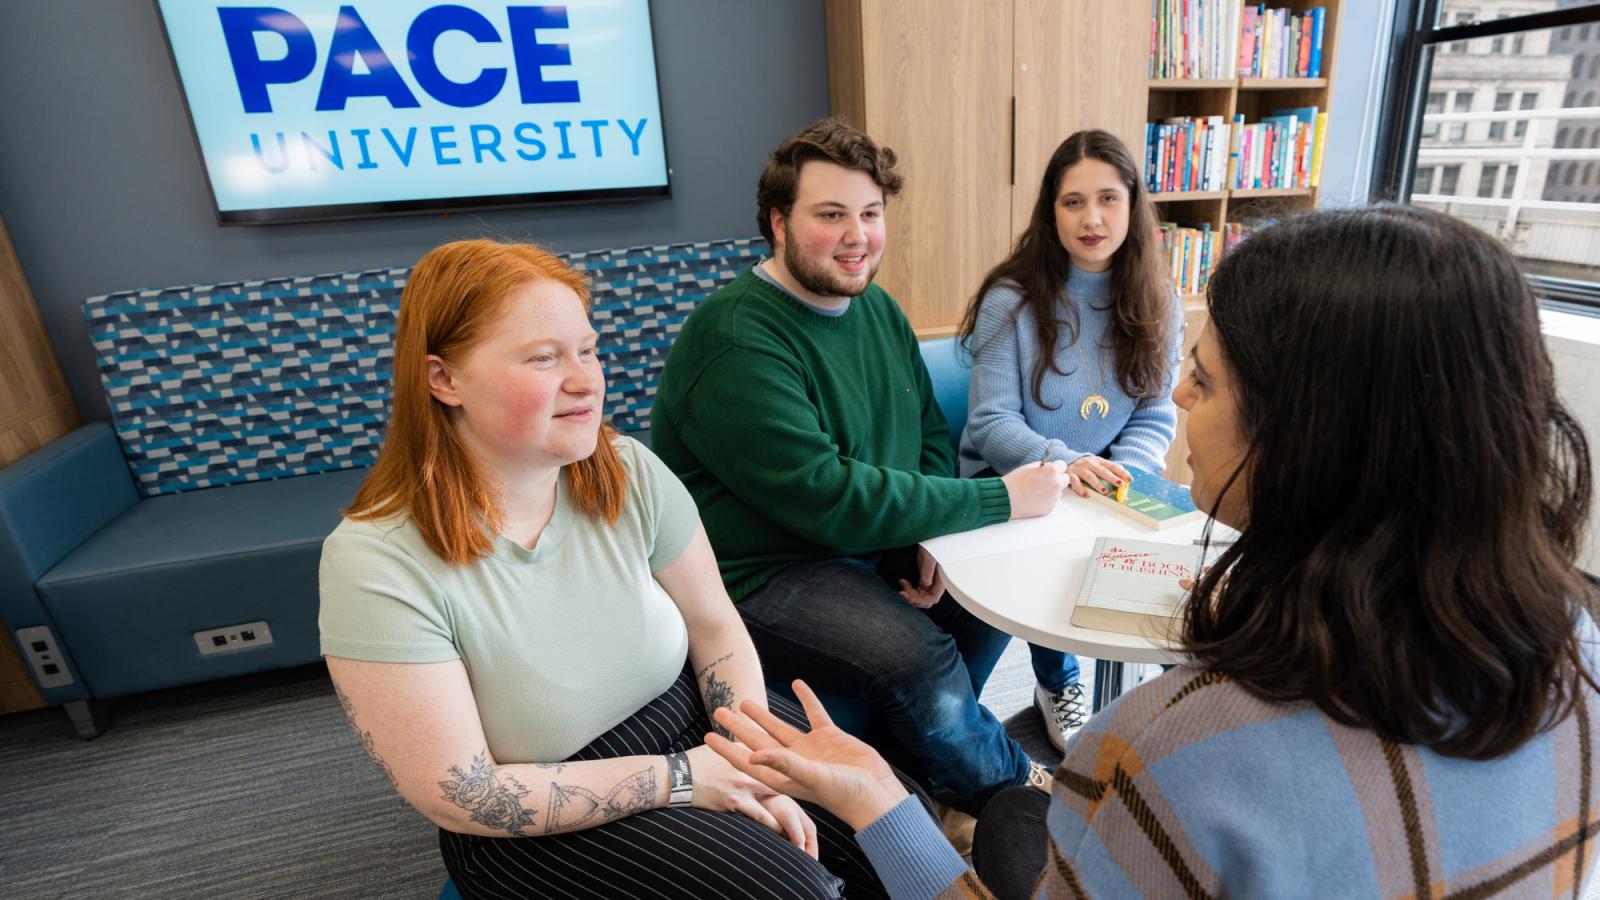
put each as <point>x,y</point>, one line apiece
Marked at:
<point>1064,712</point>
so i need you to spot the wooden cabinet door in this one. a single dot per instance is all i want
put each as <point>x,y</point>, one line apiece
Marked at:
<point>1078,64</point>
<point>932,80</point>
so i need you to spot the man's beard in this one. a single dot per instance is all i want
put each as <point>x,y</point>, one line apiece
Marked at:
<point>823,282</point>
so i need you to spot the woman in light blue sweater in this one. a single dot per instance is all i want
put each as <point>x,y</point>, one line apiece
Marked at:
<point>1074,341</point>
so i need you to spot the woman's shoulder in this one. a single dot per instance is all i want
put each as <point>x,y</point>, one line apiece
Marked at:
<point>370,543</point>
<point>1181,706</point>
<point>1002,304</point>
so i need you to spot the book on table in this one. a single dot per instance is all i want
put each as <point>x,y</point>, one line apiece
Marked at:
<point>1131,587</point>
<point>1151,501</point>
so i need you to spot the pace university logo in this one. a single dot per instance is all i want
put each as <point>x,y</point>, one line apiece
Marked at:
<point>312,102</point>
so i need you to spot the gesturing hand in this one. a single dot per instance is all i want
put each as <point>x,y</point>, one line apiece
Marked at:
<point>826,766</point>
<point>719,787</point>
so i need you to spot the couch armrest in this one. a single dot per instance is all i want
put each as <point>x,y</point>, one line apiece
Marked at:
<point>51,501</point>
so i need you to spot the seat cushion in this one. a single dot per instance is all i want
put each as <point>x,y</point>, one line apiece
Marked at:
<point>129,599</point>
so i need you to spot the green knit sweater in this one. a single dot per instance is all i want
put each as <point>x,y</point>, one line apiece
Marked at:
<point>804,437</point>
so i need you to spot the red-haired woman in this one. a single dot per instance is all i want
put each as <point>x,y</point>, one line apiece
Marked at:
<point>524,621</point>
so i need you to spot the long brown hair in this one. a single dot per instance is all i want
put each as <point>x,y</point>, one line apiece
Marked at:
<point>1141,294</point>
<point>1416,491</point>
<point>452,298</point>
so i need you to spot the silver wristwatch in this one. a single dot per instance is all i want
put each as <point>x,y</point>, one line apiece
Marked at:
<point>680,780</point>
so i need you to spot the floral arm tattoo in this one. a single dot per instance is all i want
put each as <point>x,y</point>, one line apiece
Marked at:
<point>716,693</point>
<point>490,795</point>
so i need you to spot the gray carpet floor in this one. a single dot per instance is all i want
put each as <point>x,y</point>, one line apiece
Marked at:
<point>252,788</point>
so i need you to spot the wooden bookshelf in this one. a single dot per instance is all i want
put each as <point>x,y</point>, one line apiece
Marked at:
<point>1252,98</point>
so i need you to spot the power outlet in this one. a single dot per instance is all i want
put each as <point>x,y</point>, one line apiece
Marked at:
<point>40,647</point>
<point>233,638</point>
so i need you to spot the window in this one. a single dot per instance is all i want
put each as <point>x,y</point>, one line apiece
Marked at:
<point>1448,176</point>
<point>1458,130</point>
<point>1463,17</point>
<point>1435,105</point>
<point>1486,180</point>
<point>1541,57</point>
<point>1502,103</point>
<point>1528,101</point>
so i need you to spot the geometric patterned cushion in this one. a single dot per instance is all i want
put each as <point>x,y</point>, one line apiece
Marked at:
<point>247,381</point>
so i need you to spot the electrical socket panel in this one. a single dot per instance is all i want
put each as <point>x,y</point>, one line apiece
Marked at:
<point>39,645</point>
<point>232,638</point>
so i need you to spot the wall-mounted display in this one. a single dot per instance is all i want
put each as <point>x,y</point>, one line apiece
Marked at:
<point>310,109</point>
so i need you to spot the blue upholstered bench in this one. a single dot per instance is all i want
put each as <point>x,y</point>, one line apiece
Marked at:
<point>244,417</point>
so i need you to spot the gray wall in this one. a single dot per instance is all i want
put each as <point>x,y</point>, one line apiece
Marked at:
<point>101,186</point>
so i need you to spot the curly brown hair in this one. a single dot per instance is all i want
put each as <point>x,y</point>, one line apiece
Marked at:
<point>829,140</point>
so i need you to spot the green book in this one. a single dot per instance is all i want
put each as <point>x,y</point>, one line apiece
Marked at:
<point>1151,500</point>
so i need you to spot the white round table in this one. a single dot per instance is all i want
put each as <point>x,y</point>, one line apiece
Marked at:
<point>1023,577</point>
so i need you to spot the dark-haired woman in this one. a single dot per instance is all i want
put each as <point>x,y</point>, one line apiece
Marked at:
<point>1393,680</point>
<point>1074,341</point>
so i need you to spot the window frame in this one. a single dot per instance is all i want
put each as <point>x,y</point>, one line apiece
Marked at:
<point>1404,96</point>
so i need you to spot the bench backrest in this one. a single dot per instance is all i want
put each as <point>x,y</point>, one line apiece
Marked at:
<point>245,381</point>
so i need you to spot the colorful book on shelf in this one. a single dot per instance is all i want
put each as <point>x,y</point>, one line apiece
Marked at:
<point>1317,147</point>
<point>1305,151</point>
<point>1131,586</point>
<point>1318,16</point>
<point>1151,500</point>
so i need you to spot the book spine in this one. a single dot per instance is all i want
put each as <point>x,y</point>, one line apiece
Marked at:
<point>1316,150</point>
<point>1303,64</point>
<point>1314,68</point>
<point>1235,136</point>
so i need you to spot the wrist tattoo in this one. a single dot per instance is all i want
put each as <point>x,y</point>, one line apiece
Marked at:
<point>491,796</point>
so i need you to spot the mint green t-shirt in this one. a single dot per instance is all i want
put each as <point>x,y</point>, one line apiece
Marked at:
<point>561,642</point>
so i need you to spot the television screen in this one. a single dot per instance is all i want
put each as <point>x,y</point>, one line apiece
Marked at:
<point>310,109</point>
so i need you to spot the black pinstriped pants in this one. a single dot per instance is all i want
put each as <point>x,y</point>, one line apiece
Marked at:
<point>663,853</point>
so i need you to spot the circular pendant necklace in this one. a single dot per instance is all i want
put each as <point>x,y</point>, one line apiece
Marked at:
<point>1095,400</point>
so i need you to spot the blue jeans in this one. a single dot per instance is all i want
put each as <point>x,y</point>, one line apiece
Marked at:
<point>1055,669</point>
<point>842,627</point>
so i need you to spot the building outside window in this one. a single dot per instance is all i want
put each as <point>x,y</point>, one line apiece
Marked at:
<point>1528,56</point>
<point>1463,104</point>
<point>1435,105</point>
<point>1502,103</point>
